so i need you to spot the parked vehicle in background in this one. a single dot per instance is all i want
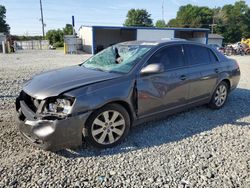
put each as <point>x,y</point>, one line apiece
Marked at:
<point>123,85</point>
<point>229,50</point>
<point>51,47</point>
<point>239,48</point>
<point>246,45</point>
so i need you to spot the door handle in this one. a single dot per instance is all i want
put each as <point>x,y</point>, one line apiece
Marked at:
<point>216,70</point>
<point>183,77</point>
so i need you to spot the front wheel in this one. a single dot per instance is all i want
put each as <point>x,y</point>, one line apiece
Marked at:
<point>220,96</point>
<point>107,126</point>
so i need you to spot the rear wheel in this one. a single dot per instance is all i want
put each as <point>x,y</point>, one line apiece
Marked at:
<point>247,52</point>
<point>220,96</point>
<point>107,126</point>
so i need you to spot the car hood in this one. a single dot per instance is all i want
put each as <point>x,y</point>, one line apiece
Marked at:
<point>55,82</point>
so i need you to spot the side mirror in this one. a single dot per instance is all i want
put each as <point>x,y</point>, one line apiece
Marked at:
<point>152,69</point>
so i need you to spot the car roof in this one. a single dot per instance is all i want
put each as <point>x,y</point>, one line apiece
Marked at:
<point>162,42</point>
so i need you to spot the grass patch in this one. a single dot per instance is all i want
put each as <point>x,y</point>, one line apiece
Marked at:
<point>60,48</point>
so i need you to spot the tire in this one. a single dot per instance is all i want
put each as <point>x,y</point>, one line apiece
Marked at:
<point>107,126</point>
<point>247,52</point>
<point>219,97</point>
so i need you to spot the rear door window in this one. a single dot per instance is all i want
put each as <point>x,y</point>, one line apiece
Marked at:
<point>197,54</point>
<point>213,57</point>
<point>170,57</point>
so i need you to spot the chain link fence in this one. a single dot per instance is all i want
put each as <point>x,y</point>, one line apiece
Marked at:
<point>32,45</point>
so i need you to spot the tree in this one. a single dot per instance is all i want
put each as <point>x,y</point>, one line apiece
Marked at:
<point>68,30</point>
<point>55,37</point>
<point>138,17</point>
<point>246,27</point>
<point>192,16</point>
<point>173,23</point>
<point>4,27</point>
<point>160,24</point>
<point>233,22</point>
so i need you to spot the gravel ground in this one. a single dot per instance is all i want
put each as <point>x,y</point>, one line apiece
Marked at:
<point>197,148</point>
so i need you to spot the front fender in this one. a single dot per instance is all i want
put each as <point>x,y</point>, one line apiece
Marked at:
<point>97,95</point>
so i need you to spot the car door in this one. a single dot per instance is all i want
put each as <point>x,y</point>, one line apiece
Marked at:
<point>165,90</point>
<point>202,71</point>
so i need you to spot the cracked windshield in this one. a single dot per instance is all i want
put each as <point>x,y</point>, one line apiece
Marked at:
<point>117,58</point>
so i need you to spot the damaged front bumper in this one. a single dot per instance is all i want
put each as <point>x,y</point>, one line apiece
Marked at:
<point>50,132</point>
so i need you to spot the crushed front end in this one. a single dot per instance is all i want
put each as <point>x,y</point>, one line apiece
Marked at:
<point>49,123</point>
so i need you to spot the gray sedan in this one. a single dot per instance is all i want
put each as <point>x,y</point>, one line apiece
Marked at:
<point>99,100</point>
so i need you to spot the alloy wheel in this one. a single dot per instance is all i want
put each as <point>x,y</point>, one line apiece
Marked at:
<point>108,127</point>
<point>220,95</point>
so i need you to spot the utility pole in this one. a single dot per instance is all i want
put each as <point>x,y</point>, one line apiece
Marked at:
<point>213,24</point>
<point>41,8</point>
<point>162,8</point>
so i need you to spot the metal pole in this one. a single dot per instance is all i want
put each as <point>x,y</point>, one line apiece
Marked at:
<point>212,27</point>
<point>41,8</point>
<point>73,25</point>
<point>162,9</point>
<point>213,24</point>
<point>4,47</point>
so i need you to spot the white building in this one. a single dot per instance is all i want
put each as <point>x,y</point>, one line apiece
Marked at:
<point>72,44</point>
<point>96,38</point>
<point>215,39</point>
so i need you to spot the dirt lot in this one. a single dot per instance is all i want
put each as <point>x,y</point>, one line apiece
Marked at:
<point>197,148</point>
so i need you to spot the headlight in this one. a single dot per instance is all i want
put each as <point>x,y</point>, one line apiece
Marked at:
<point>60,105</point>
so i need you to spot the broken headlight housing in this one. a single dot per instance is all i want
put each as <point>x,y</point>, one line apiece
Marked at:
<point>62,105</point>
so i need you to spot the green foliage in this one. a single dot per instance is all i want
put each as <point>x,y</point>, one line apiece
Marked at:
<point>173,23</point>
<point>68,30</point>
<point>192,16</point>
<point>246,27</point>
<point>58,44</point>
<point>138,17</point>
<point>4,27</point>
<point>160,24</point>
<point>232,21</point>
<point>55,37</point>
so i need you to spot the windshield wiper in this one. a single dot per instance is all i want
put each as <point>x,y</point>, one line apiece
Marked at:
<point>97,69</point>
<point>117,72</point>
<point>92,68</point>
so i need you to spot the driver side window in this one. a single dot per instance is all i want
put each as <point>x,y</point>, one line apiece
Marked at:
<point>169,57</point>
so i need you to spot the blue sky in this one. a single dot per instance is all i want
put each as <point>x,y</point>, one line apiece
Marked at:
<point>23,15</point>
